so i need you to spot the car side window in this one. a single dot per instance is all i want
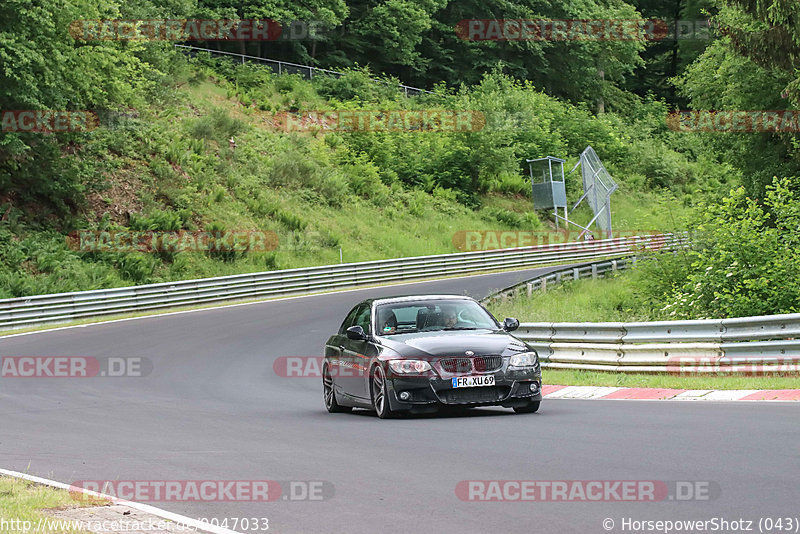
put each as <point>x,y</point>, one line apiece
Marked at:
<point>363,319</point>
<point>350,320</point>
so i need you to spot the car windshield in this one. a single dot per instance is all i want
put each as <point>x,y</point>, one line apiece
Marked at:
<point>432,315</point>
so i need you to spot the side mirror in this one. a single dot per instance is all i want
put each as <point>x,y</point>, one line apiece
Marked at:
<point>357,333</point>
<point>510,324</point>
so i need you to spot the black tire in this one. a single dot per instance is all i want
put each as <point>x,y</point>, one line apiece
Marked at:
<point>380,400</point>
<point>330,395</point>
<point>531,407</point>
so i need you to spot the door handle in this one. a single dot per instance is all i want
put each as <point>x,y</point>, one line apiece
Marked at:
<point>341,347</point>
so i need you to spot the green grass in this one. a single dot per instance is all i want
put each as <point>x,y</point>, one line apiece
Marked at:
<point>609,299</point>
<point>569,377</point>
<point>24,501</point>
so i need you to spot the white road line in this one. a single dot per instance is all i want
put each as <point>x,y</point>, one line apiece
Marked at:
<point>599,393</point>
<point>693,394</point>
<point>730,394</point>
<point>177,518</point>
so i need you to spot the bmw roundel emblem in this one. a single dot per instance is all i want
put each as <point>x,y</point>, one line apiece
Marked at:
<point>469,353</point>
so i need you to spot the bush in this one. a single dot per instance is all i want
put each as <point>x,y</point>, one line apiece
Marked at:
<point>744,261</point>
<point>218,126</point>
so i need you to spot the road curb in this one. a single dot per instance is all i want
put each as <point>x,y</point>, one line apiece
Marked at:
<point>146,508</point>
<point>620,393</point>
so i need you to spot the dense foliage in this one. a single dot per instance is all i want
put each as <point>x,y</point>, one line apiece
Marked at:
<point>161,158</point>
<point>744,260</point>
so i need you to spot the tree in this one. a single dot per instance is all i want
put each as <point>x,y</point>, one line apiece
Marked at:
<point>731,76</point>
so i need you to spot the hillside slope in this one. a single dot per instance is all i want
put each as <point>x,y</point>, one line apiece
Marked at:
<point>170,165</point>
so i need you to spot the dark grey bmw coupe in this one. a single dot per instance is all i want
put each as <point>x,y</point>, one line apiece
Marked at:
<point>417,354</point>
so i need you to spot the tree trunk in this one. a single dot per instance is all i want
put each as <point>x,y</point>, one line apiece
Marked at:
<point>601,105</point>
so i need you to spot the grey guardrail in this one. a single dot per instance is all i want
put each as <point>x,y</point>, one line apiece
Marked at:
<point>542,283</point>
<point>285,67</point>
<point>43,309</point>
<point>745,345</point>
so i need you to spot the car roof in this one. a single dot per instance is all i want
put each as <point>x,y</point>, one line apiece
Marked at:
<point>408,298</point>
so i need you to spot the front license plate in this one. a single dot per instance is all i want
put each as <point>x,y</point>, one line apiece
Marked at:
<point>472,381</point>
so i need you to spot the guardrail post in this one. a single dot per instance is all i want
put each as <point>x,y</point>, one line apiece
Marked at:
<point>576,274</point>
<point>594,270</point>
<point>529,289</point>
<point>613,265</point>
<point>544,285</point>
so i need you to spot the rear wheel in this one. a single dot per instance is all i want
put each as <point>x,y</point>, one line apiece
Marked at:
<point>379,394</point>
<point>531,407</point>
<point>330,396</point>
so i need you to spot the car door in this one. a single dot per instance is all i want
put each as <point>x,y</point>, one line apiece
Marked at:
<point>355,356</point>
<point>335,347</point>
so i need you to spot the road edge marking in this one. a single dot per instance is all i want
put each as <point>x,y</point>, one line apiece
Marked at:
<point>668,394</point>
<point>164,514</point>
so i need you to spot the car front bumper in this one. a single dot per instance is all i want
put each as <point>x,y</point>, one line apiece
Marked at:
<point>511,389</point>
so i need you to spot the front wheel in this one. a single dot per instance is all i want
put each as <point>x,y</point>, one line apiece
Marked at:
<point>330,396</point>
<point>531,407</point>
<point>379,394</point>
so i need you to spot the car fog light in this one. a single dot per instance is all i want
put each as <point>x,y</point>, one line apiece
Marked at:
<point>405,395</point>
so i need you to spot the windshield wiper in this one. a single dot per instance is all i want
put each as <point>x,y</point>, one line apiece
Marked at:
<point>461,328</point>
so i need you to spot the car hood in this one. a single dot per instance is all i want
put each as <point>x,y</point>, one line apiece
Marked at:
<point>453,343</point>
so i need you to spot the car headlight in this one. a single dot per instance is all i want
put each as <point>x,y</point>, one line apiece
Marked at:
<point>409,366</point>
<point>525,359</point>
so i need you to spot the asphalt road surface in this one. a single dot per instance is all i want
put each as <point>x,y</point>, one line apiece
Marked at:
<point>213,408</point>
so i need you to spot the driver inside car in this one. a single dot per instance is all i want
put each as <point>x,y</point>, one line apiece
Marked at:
<point>450,318</point>
<point>388,322</point>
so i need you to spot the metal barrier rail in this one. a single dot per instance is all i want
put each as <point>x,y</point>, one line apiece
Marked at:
<point>542,283</point>
<point>745,345</point>
<point>284,67</point>
<point>42,309</point>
